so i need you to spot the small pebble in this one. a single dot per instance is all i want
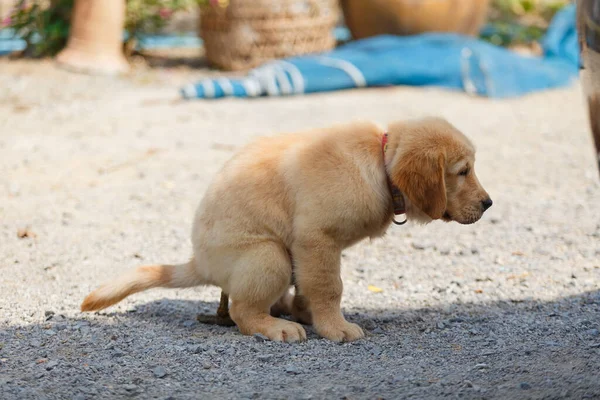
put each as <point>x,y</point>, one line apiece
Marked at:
<point>25,233</point>
<point>592,332</point>
<point>159,372</point>
<point>421,245</point>
<point>444,251</point>
<point>49,314</point>
<point>118,353</point>
<point>369,324</point>
<point>524,385</point>
<point>207,365</point>
<point>260,337</point>
<point>51,365</point>
<point>541,251</point>
<point>196,349</point>
<point>264,357</point>
<point>376,350</point>
<point>81,325</point>
<point>189,323</point>
<point>552,343</point>
<point>130,387</point>
<point>290,369</point>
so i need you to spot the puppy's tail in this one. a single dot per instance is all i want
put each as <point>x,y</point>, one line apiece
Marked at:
<point>140,279</point>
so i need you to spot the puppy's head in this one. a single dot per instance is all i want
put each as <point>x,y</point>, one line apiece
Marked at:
<point>432,163</point>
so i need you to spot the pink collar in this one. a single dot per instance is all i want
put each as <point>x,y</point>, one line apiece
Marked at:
<point>397,197</point>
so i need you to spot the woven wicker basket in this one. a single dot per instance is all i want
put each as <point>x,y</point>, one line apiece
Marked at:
<point>250,32</point>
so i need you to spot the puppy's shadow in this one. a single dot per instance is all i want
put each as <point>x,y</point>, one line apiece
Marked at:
<point>168,312</point>
<point>175,313</point>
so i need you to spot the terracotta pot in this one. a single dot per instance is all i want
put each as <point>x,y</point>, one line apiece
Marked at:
<point>408,17</point>
<point>95,42</point>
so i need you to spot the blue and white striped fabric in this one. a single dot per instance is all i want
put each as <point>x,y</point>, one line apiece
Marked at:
<point>283,77</point>
<point>445,60</point>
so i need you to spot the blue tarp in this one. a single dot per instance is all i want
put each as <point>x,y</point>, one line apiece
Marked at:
<point>10,42</point>
<point>434,59</point>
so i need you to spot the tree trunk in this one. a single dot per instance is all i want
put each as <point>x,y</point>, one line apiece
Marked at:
<point>588,19</point>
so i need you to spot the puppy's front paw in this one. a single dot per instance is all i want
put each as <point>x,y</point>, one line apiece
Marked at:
<point>342,331</point>
<point>285,331</point>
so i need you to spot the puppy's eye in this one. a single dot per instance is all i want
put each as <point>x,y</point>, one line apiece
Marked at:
<point>464,172</point>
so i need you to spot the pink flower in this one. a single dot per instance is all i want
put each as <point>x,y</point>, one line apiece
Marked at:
<point>6,21</point>
<point>214,3</point>
<point>165,13</point>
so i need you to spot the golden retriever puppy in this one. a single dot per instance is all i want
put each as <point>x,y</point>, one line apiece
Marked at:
<point>283,209</point>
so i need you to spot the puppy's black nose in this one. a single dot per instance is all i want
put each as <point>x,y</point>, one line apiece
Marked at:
<point>487,203</point>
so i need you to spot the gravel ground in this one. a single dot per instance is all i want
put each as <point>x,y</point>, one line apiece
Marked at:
<point>99,175</point>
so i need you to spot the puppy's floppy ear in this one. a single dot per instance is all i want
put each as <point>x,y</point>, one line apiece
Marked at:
<point>420,176</point>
